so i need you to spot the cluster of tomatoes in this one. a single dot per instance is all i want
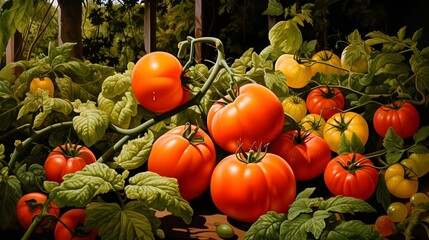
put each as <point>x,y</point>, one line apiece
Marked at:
<point>68,224</point>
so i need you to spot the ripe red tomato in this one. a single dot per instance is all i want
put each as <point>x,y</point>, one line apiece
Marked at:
<point>67,158</point>
<point>244,190</point>
<point>306,153</point>
<point>156,82</point>
<point>30,205</point>
<point>186,154</point>
<point>325,101</point>
<point>74,219</point>
<point>254,118</point>
<point>403,117</point>
<point>351,175</point>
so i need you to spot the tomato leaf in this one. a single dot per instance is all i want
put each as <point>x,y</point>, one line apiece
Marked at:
<point>32,178</point>
<point>353,229</point>
<point>276,82</point>
<point>421,135</point>
<point>306,193</point>
<point>77,68</point>
<point>354,145</point>
<point>71,90</point>
<point>394,146</point>
<point>275,8</point>
<point>285,35</point>
<point>295,229</point>
<point>418,148</point>
<point>121,110</point>
<point>133,221</point>
<point>91,124</point>
<point>342,204</point>
<point>266,227</point>
<point>80,187</point>
<point>302,206</point>
<point>134,153</point>
<point>10,189</point>
<point>159,193</point>
<point>382,194</point>
<point>117,84</point>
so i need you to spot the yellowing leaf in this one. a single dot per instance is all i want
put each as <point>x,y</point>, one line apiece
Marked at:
<point>135,153</point>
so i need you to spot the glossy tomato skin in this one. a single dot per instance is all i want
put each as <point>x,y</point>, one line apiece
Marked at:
<point>307,158</point>
<point>328,57</point>
<point>402,117</point>
<point>42,83</point>
<point>359,183</point>
<point>25,213</point>
<point>192,164</point>
<point>295,107</point>
<point>254,118</point>
<point>156,82</point>
<point>297,75</point>
<point>57,164</point>
<point>325,101</point>
<point>245,191</point>
<point>400,181</point>
<point>73,219</point>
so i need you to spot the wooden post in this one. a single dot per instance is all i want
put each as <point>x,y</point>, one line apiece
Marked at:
<point>150,25</point>
<point>199,27</point>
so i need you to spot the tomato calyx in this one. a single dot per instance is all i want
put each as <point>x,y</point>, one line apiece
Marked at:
<point>33,204</point>
<point>353,165</point>
<point>191,135</point>
<point>329,93</point>
<point>299,137</point>
<point>70,150</point>
<point>251,156</point>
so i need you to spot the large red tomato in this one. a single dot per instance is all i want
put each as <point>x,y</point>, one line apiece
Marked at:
<point>403,117</point>
<point>325,101</point>
<point>67,158</point>
<point>30,205</point>
<point>306,153</point>
<point>255,117</point>
<point>351,175</point>
<point>73,220</point>
<point>186,154</point>
<point>246,188</point>
<point>156,82</point>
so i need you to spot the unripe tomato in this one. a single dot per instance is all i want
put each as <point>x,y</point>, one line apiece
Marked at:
<point>295,107</point>
<point>326,63</point>
<point>42,83</point>
<point>356,56</point>
<point>297,75</point>
<point>156,82</point>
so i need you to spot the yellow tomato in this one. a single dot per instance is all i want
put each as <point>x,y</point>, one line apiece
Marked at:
<point>326,63</point>
<point>419,163</point>
<point>297,75</point>
<point>358,56</point>
<point>347,123</point>
<point>401,181</point>
<point>42,83</point>
<point>313,123</point>
<point>295,107</point>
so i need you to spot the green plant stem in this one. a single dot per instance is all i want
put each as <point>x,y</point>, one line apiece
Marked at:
<point>37,220</point>
<point>13,131</point>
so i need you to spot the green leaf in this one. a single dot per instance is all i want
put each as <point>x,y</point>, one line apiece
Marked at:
<point>10,189</point>
<point>133,221</point>
<point>306,193</point>
<point>116,85</point>
<point>317,223</point>
<point>421,135</point>
<point>394,145</point>
<point>266,227</point>
<point>160,193</point>
<point>73,68</point>
<point>70,90</point>
<point>135,152</point>
<point>59,54</point>
<point>295,229</point>
<point>342,204</point>
<point>417,35</point>
<point>302,206</point>
<point>353,229</point>
<point>377,37</point>
<point>49,185</point>
<point>418,148</point>
<point>382,194</point>
<point>79,188</point>
<point>91,124</point>
<point>275,8</point>
<point>285,35</point>
<point>354,145</point>
<point>32,178</point>
<point>276,82</point>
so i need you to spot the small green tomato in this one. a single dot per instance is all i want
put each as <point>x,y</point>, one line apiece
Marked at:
<point>224,231</point>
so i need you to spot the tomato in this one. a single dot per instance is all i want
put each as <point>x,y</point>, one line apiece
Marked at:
<point>297,75</point>
<point>188,154</point>
<point>73,220</point>
<point>65,159</point>
<point>30,205</point>
<point>384,225</point>
<point>325,101</point>
<point>403,117</point>
<point>419,162</point>
<point>313,123</point>
<point>307,154</point>
<point>351,175</point>
<point>347,123</point>
<point>255,117</point>
<point>44,83</point>
<point>224,231</point>
<point>245,186</point>
<point>401,181</point>
<point>156,81</point>
<point>356,56</point>
<point>295,107</point>
<point>326,62</point>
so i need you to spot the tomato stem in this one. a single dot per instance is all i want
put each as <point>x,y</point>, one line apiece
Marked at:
<point>251,156</point>
<point>191,135</point>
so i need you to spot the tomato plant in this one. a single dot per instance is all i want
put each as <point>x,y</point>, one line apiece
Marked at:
<point>403,117</point>
<point>295,107</point>
<point>32,204</point>
<point>354,57</point>
<point>313,123</point>
<point>156,81</point>
<point>347,123</point>
<point>307,154</point>
<point>246,185</point>
<point>44,83</point>
<point>326,62</point>
<point>65,159</point>
<point>401,181</point>
<point>325,101</point>
<point>70,226</point>
<point>351,175</point>
<point>186,153</point>
<point>255,117</point>
<point>297,74</point>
